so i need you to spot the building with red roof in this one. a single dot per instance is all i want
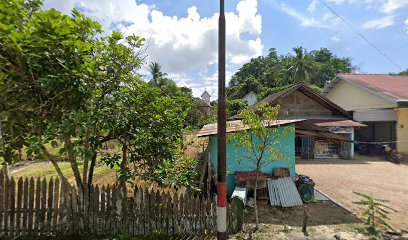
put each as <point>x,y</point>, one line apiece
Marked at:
<point>378,100</point>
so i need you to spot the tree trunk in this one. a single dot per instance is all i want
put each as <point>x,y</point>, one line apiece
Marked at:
<point>57,168</point>
<point>20,154</point>
<point>255,201</point>
<point>86,160</point>
<point>123,164</point>
<point>72,160</point>
<point>91,169</point>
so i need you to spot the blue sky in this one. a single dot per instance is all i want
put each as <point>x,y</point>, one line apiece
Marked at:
<point>182,34</point>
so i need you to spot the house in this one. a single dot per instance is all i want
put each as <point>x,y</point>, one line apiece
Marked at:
<point>203,103</point>
<point>206,97</point>
<point>235,155</point>
<point>251,98</point>
<point>301,102</point>
<point>378,100</point>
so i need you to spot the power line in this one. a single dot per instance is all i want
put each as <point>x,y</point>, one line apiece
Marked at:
<point>361,35</point>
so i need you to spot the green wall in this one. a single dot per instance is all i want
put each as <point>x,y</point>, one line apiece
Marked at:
<point>236,162</point>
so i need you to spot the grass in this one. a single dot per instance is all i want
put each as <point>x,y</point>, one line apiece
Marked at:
<point>46,169</point>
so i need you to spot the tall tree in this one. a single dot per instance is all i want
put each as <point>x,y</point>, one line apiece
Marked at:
<point>156,72</point>
<point>64,85</point>
<point>315,68</point>
<point>302,66</point>
<point>260,139</point>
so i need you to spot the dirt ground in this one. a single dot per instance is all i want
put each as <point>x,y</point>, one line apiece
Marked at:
<point>372,176</point>
<point>325,221</point>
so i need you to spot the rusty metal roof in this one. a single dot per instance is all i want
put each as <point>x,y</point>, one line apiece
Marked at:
<point>393,87</point>
<point>340,123</point>
<point>303,127</point>
<point>236,126</point>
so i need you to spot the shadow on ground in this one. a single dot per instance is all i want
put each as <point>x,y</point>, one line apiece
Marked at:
<point>320,213</point>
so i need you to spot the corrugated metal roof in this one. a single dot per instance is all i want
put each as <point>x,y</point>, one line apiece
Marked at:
<point>236,126</point>
<point>341,123</point>
<point>394,87</point>
<point>283,192</point>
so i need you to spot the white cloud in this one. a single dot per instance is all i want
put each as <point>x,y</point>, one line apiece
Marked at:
<point>305,21</point>
<point>312,6</point>
<point>182,45</point>
<point>386,6</point>
<point>335,39</point>
<point>379,23</point>
<point>406,24</point>
<point>390,6</point>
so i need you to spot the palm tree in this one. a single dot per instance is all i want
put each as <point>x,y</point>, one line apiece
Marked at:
<point>302,65</point>
<point>155,71</point>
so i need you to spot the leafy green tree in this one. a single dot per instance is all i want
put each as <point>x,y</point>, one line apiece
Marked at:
<point>404,72</point>
<point>63,84</point>
<point>156,72</point>
<point>268,72</point>
<point>328,65</point>
<point>260,140</point>
<point>302,66</point>
<point>376,211</point>
<point>236,106</point>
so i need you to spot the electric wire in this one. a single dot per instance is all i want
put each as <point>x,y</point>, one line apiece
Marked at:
<point>362,36</point>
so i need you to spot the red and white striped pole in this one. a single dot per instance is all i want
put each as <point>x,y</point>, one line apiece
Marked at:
<point>221,126</point>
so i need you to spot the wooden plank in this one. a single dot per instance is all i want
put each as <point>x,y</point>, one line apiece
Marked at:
<point>69,212</point>
<point>102,214</point>
<point>175,215</point>
<point>181,223</point>
<point>108,210</point>
<point>18,208</point>
<point>6,206</point>
<point>12,206</point>
<point>168,213</point>
<point>156,208</point>
<point>31,207</point>
<point>125,211</point>
<point>2,196</point>
<point>130,218</point>
<point>143,204</point>
<point>113,210</point>
<point>55,208</point>
<point>150,214</point>
<point>134,212</point>
<point>37,206</point>
<point>75,211</point>
<point>93,209</point>
<point>43,205</point>
<point>96,207</point>
<point>84,206</point>
<point>25,208</point>
<point>138,213</point>
<point>63,210</point>
<point>48,222</point>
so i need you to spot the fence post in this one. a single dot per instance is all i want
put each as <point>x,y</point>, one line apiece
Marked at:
<point>19,202</point>
<point>25,209</point>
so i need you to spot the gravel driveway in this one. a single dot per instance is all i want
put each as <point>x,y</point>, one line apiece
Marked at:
<point>372,176</point>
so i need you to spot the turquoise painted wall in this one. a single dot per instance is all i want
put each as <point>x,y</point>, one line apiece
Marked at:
<point>236,162</point>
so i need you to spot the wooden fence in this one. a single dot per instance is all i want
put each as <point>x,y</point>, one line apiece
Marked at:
<point>31,207</point>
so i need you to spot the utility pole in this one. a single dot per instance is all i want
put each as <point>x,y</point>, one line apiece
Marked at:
<point>221,134</point>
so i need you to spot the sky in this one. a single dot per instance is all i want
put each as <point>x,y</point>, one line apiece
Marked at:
<point>182,35</point>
